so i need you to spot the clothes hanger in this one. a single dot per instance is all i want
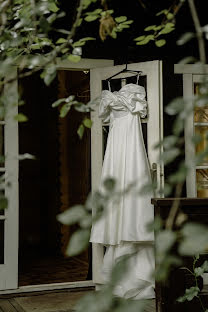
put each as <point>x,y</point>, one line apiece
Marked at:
<point>124,71</point>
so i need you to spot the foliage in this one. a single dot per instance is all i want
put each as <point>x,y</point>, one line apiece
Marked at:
<point>27,38</point>
<point>192,292</point>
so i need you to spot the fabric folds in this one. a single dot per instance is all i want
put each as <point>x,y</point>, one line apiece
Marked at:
<point>123,227</point>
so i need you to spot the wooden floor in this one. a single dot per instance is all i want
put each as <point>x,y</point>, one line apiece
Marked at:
<point>48,270</point>
<point>62,301</point>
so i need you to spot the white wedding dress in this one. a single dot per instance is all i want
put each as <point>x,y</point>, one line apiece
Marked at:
<point>122,229</point>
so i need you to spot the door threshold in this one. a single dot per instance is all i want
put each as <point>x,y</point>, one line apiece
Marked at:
<point>48,287</point>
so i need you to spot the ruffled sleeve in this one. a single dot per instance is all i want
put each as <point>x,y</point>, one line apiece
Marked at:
<point>107,100</point>
<point>135,99</point>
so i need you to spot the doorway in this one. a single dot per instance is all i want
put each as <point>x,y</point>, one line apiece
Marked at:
<point>58,177</point>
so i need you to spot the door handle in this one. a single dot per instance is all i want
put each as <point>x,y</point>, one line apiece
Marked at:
<point>154,173</point>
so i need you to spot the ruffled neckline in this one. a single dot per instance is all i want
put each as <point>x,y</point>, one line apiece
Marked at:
<point>130,87</point>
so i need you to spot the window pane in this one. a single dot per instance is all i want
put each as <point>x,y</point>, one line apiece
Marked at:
<point>1,145</point>
<point>1,242</point>
<point>202,132</point>
<point>200,113</point>
<point>202,182</point>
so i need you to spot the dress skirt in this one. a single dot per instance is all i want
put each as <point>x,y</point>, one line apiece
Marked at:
<point>123,227</point>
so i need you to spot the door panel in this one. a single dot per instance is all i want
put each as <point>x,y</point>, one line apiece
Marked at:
<point>151,79</point>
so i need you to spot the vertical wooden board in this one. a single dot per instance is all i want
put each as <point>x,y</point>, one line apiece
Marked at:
<point>189,131</point>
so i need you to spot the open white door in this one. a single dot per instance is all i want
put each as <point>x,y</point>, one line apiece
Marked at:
<point>151,79</point>
<point>9,217</point>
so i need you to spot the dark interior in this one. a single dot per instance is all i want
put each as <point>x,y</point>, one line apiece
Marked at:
<point>58,178</point>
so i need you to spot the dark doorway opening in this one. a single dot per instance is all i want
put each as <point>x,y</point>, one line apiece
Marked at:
<point>59,177</point>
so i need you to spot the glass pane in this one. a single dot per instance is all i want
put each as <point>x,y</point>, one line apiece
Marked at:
<point>202,182</point>
<point>202,131</point>
<point>1,145</point>
<point>1,241</point>
<point>200,113</point>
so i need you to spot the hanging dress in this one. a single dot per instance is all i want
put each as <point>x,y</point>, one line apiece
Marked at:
<point>122,228</point>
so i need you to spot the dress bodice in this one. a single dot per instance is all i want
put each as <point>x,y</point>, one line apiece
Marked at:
<point>130,98</point>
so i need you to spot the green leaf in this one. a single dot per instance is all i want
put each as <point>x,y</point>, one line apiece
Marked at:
<point>58,102</point>
<point>114,34</point>
<point>61,40</point>
<point>164,241</point>
<point>185,38</point>
<point>21,117</point>
<point>44,24</point>
<point>86,222</point>
<point>74,58</point>
<point>119,268</point>
<point>128,22</point>
<point>120,19</point>
<point>78,242</point>
<point>166,30</point>
<point>49,74</point>
<point>188,59</point>
<point>87,38</point>
<point>82,41</point>
<point>178,176</point>
<point>35,46</point>
<point>109,184</point>
<point>72,215</point>
<point>175,106</point>
<point>169,155</point>
<point>87,123</point>
<point>65,50</point>
<point>91,18</point>
<point>160,43</point>
<point>170,16</point>
<point>162,12</point>
<point>53,7</point>
<point>140,38</point>
<point>80,131</point>
<point>146,40</point>
<point>95,12</point>
<point>151,27</point>
<point>190,293</point>
<point>165,264</point>
<point>64,110</point>
<point>168,142</point>
<point>198,271</point>
<point>195,239</point>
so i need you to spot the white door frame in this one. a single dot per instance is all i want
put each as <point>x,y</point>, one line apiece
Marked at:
<point>153,71</point>
<point>9,270</point>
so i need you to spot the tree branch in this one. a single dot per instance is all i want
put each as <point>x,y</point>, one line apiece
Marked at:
<point>175,207</point>
<point>199,32</point>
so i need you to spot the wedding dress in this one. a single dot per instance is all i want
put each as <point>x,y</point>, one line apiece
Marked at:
<point>122,229</point>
